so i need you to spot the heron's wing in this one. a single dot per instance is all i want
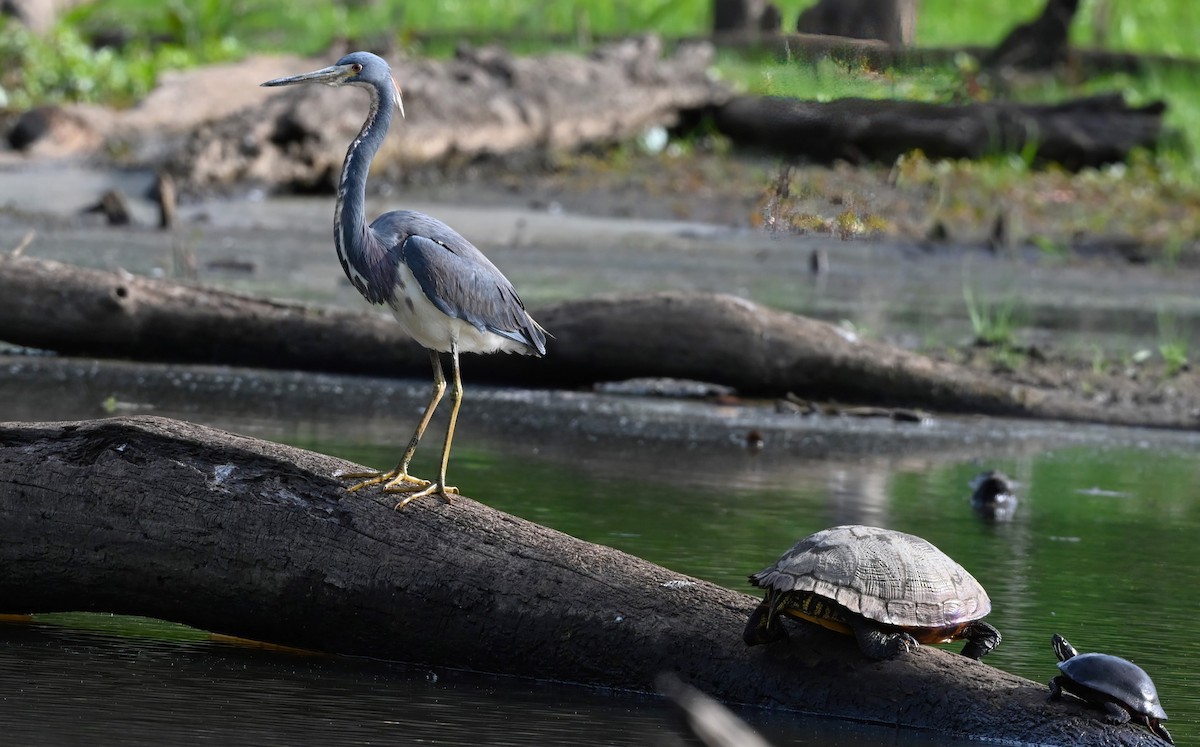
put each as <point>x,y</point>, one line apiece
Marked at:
<point>464,284</point>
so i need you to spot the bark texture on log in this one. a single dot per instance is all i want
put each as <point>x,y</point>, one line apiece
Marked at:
<point>715,338</point>
<point>157,517</point>
<point>485,102</point>
<point>75,310</point>
<point>1076,134</point>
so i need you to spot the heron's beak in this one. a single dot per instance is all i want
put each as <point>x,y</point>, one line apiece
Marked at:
<point>332,75</point>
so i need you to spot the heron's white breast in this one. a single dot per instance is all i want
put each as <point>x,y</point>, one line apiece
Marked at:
<point>432,329</point>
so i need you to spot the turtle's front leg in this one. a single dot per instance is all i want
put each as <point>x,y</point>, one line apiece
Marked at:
<point>1115,714</point>
<point>764,625</point>
<point>882,644</point>
<point>981,639</point>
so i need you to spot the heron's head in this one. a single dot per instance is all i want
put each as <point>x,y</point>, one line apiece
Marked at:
<point>357,68</point>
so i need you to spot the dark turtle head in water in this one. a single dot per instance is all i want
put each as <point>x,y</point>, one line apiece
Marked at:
<point>1120,687</point>
<point>992,496</point>
<point>889,589</point>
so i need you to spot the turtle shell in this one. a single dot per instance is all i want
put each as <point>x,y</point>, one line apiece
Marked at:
<point>1118,679</point>
<point>886,576</point>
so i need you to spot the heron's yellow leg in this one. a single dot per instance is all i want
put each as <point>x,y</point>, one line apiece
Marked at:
<point>439,487</point>
<point>398,479</point>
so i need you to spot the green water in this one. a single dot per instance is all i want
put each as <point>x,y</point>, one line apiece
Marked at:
<point>1102,547</point>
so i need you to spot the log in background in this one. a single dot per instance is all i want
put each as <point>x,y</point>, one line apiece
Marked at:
<point>156,517</point>
<point>714,338</point>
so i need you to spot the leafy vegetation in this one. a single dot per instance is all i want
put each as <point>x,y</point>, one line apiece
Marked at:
<point>65,66</point>
<point>199,31</point>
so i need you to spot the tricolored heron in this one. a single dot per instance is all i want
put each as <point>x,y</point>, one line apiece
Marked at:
<point>444,292</point>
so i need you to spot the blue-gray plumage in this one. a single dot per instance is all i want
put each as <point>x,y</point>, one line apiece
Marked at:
<point>444,292</point>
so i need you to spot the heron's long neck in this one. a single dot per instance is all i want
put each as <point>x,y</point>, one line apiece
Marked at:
<point>354,247</point>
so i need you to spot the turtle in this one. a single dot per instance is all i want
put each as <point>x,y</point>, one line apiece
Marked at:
<point>993,497</point>
<point>889,589</point>
<point>1120,687</point>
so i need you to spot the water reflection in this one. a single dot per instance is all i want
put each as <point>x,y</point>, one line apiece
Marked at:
<point>1101,549</point>
<point>71,686</point>
<point>87,688</point>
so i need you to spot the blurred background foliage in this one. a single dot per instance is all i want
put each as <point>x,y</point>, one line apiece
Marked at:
<point>110,51</point>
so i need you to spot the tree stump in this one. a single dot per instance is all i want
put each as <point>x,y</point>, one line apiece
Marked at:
<point>891,21</point>
<point>1040,44</point>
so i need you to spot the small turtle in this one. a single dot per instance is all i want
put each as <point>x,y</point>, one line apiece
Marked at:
<point>1120,687</point>
<point>889,589</point>
<point>993,498</point>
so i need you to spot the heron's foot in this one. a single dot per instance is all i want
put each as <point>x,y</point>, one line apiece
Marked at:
<point>392,478</point>
<point>437,488</point>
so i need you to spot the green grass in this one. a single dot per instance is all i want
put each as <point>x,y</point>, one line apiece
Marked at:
<point>201,31</point>
<point>1161,26</point>
<point>1172,343</point>
<point>992,324</point>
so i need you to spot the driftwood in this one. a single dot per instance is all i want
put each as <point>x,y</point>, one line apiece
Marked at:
<point>714,338</point>
<point>484,102</point>
<point>157,517</point>
<point>1076,134</point>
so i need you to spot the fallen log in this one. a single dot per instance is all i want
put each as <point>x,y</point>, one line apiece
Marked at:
<point>1076,134</point>
<point>714,338</point>
<point>80,311</point>
<point>157,517</point>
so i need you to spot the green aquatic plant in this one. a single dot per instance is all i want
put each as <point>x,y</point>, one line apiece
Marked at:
<point>1172,343</point>
<point>992,324</point>
<point>1174,355</point>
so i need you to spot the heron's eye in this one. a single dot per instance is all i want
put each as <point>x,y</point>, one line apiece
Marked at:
<point>357,67</point>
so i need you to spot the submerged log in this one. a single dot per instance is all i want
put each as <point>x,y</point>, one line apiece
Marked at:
<point>156,517</point>
<point>714,338</point>
<point>1076,134</point>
